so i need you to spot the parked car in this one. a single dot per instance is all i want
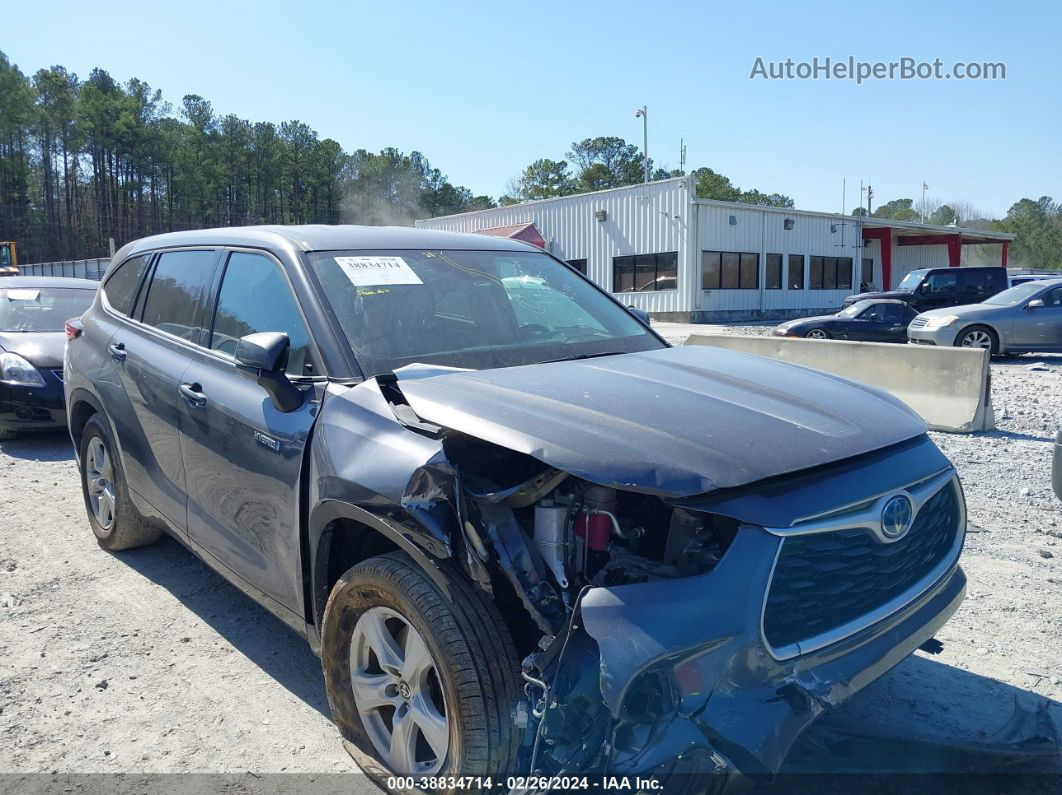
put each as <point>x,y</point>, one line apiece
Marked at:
<point>932,288</point>
<point>1014,279</point>
<point>394,441</point>
<point>33,311</point>
<point>1022,319</point>
<point>882,320</point>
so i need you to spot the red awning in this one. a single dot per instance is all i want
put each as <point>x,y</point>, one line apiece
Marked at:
<point>525,232</point>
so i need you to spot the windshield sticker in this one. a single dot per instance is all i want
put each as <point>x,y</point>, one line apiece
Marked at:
<point>376,271</point>
<point>23,295</point>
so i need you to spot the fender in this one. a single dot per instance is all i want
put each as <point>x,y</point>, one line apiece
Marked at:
<point>319,539</point>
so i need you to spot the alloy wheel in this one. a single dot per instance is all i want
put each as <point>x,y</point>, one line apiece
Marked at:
<point>977,339</point>
<point>817,334</point>
<point>99,477</point>
<point>398,693</point>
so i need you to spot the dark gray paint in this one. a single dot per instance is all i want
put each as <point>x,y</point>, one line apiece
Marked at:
<point>678,421</point>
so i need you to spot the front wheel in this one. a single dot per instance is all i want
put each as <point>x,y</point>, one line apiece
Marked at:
<point>424,683</point>
<point>978,337</point>
<point>818,334</point>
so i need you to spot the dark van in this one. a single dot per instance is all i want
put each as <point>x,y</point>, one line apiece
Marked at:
<point>933,288</point>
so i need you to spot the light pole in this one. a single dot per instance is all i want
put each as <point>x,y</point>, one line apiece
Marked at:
<point>643,114</point>
<point>925,187</point>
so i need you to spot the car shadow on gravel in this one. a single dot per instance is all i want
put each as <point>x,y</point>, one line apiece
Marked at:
<point>40,446</point>
<point>250,629</point>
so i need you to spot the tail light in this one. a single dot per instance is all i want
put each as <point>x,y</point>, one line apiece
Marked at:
<point>73,328</point>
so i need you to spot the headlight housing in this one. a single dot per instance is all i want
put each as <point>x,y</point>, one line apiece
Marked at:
<point>941,321</point>
<point>16,370</point>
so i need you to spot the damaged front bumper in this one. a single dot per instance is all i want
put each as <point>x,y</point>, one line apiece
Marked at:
<point>663,699</point>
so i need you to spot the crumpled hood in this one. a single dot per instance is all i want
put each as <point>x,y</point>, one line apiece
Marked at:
<point>675,422</point>
<point>39,348</point>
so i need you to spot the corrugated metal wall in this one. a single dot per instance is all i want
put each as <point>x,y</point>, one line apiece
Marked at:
<point>908,258</point>
<point>762,231</point>
<point>641,219</point>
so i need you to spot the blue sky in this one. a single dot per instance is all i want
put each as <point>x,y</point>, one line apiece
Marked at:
<point>485,88</point>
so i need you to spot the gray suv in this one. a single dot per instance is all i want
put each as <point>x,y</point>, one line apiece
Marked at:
<point>522,532</point>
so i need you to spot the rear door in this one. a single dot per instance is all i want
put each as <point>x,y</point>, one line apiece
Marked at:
<point>149,357</point>
<point>242,456</point>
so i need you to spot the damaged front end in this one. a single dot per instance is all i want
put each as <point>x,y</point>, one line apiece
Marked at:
<point>679,621</point>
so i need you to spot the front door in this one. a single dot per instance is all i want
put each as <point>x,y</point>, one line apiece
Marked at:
<point>1040,328</point>
<point>242,456</point>
<point>940,289</point>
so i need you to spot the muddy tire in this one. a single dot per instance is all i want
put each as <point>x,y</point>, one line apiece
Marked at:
<point>423,684</point>
<point>114,520</point>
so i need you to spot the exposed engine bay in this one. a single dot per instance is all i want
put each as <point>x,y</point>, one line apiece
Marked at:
<point>588,534</point>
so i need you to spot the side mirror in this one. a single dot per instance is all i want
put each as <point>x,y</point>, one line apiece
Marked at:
<point>265,355</point>
<point>1036,303</point>
<point>639,313</point>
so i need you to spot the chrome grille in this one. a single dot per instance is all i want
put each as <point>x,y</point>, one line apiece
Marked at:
<point>918,322</point>
<point>824,582</point>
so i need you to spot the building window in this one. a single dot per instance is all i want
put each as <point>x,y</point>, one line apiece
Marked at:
<point>729,270</point>
<point>796,271</point>
<point>866,275</point>
<point>579,265</point>
<point>831,273</point>
<point>773,278</point>
<point>644,272</point>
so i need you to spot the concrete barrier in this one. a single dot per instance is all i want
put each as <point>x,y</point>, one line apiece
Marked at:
<point>948,387</point>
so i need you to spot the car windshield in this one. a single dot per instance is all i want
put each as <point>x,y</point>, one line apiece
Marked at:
<point>1016,294</point>
<point>854,309</point>
<point>41,308</point>
<point>911,281</point>
<point>472,309</point>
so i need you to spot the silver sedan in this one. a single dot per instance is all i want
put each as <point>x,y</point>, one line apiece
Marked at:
<point>1024,318</point>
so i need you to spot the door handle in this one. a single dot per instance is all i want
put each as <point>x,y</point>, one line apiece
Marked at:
<point>117,351</point>
<point>193,394</point>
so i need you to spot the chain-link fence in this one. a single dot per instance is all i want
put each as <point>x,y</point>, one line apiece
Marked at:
<point>76,269</point>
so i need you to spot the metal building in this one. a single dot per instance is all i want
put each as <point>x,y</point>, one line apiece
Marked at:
<point>659,247</point>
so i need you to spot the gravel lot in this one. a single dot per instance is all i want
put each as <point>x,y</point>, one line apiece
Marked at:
<point>148,662</point>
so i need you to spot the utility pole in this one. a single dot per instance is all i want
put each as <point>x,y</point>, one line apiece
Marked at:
<point>643,114</point>
<point>922,214</point>
<point>682,156</point>
<point>870,195</point>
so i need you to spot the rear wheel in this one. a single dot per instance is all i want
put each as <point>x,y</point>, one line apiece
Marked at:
<point>424,683</point>
<point>818,334</point>
<point>114,519</point>
<point>978,337</point>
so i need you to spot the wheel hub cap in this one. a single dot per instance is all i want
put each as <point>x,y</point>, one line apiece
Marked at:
<point>398,693</point>
<point>99,478</point>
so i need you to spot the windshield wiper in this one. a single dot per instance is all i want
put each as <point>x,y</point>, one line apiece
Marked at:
<point>584,356</point>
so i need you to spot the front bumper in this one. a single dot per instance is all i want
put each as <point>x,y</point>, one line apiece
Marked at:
<point>25,408</point>
<point>735,698</point>
<point>944,336</point>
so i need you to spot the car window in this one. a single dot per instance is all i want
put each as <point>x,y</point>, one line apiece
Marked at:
<point>1014,295</point>
<point>255,296</point>
<point>975,285</point>
<point>122,285</point>
<point>176,290</point>
<point>474,309</point>
<point>892,313</point>
<point>873,312</point>
<point>911,281</point>
<point>942,283</point>
<point>41,308</point>
<point>1052,297</point>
